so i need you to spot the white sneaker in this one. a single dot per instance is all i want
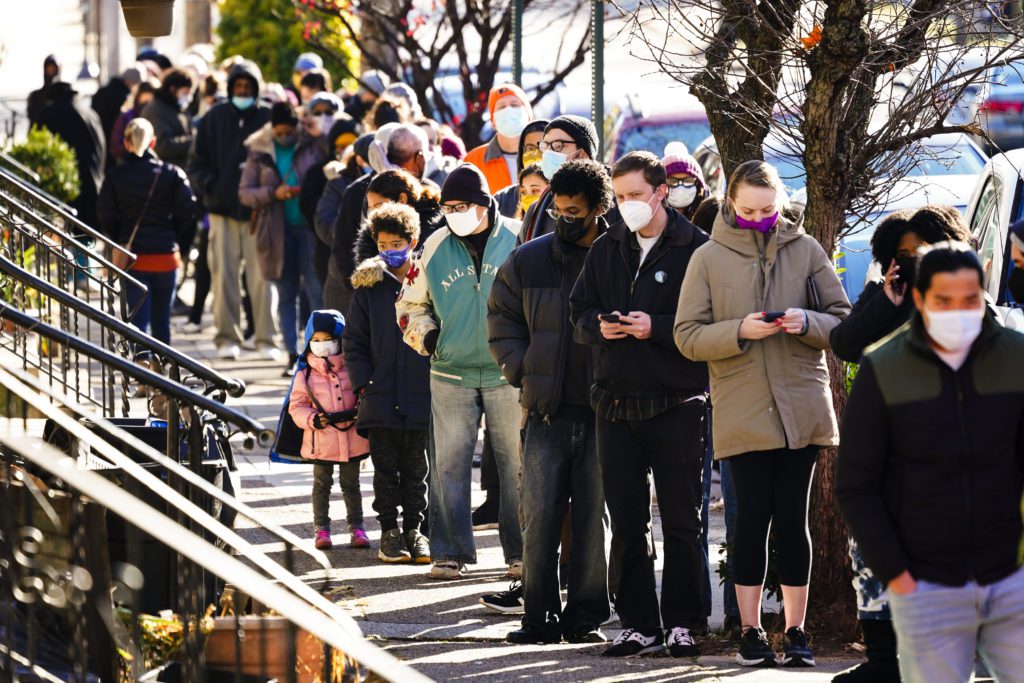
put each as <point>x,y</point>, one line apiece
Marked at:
<point>515,570</point>
<point>191,328</point>
<point>229,352</point>
<point>270,353</point>
<point>446,570</point>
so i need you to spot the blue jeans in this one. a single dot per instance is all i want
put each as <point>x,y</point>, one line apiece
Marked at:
<point>456,412</point>
<point>731,607</point>
<point>560,463</point>
<point>939,629</point>
<point>154,315</point>
<point>299,271</point>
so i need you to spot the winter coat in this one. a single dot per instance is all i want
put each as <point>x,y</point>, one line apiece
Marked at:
<point>169,216</point>
<point>610,282</point>
<point>528,321</point>
<point>873,317</point>
<point>394,379</point>
<point>343,240</point>
<point>931,461</point>
<point>116,139</point>
<point>260,178</point>
<point>508,201</point>
<point>218,150</point>
<point>80,127</point>
<point>491,161</point>
<point>444,298</point>
<point>336,291</point>
<point>537,221</point>
<point>431,220</point>
<point>107,103</point>
<point>773,393</point>
<point>327,380</point>
<point>172,127</point>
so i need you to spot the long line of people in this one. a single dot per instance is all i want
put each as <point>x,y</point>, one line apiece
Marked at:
<point>613,329</point>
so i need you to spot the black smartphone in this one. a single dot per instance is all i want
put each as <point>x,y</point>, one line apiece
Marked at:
<point>773,316</point>
<point>613,319</point>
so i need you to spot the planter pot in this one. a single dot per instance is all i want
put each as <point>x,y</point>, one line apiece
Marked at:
<point>148,18</point>
<point>264,649</point>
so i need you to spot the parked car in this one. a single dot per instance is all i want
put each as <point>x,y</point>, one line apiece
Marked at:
<point>1001,114</point>
<point>649,123</point>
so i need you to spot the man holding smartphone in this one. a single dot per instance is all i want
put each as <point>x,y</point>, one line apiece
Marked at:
<point>650,406</point>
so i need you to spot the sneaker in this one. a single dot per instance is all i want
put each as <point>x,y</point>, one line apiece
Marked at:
<point>268,352</point>
<point>613,616</point>
<point>681,643</point>
<point>191,328</point>
<point>446,570</point>
<point>797,653</point>
<point>755,649</point>
<point>322,539</point>
<point>229,352</point>
<point>732,628</point>
<point>515,569</point>
<point>392,546</point>
<point>360,539</point>
<point>289,370</point>
<point>506,602</point>
<point>486,516</point>
<point>585,633</point>
<point>528,634</point>
<point>418,546</point>
<point>633,643</point>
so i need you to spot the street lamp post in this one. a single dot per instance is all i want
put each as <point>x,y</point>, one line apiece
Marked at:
<point>597,71</point>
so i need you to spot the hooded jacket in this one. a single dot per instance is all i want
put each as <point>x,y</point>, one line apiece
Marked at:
<point>393,379</point>
<point>218,150</point>
<point>172,127</point>
<point>445,291</point>
<point>431,220</point>
<point>327,381</point>
<point>931,463</point>
<point>260,178</point>
<point>773,393</point>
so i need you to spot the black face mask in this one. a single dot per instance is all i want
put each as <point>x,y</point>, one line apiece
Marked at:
<point>571,232</point>
<point>1016,285</point>
<point>908,269</point>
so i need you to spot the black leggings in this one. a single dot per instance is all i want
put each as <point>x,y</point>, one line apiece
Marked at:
<point>772,490</point>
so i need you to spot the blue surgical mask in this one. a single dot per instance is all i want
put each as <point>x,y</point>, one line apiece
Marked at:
<point>242,103</point>
<point>510,121</point>
<point>551,161</point>
<point>395,258</point>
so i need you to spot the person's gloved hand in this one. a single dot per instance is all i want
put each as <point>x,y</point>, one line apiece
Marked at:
<point>321,420</point>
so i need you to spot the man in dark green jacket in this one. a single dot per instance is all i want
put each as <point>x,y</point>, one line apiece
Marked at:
<point>931,472</point>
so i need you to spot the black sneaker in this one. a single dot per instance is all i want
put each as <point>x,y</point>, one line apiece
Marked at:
<point>797,652</point>
<point>732,629</point>
<point>506,602</point>
<point>528,634</point>
<point>585,633</point>
<point>486,516</point>
<point>418,546</point>
<point>681,643</point>
<point>633,643</point>
<point>755,649</point>
<point>392,547</point>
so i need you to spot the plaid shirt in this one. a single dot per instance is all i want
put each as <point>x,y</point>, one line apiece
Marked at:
<point>632,408</point>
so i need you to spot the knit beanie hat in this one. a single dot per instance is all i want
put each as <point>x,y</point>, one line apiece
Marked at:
<point>678,160</point>
<point>508,90</point>
<point>453,147</point>
<point>581,130</point>
<point>282,112</point>
<point>466,184</point>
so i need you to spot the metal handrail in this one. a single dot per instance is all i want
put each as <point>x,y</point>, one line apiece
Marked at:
<point>196,549</point>
<point>234,387</point>
<point>26,173</point>
<point>172,389</point>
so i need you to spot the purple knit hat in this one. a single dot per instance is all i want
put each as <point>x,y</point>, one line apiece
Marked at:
<point>678,160</point>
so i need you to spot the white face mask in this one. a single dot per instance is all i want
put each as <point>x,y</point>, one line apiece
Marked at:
<point>323,349</point>
<point>954,330</point>
<point>325,121</point>
<point>510,121</point>
<point>465,223</point>
<point>636,214</point>
<point>681,197</point>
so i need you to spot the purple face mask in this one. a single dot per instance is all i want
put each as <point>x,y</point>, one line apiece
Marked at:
<point>762,226</point>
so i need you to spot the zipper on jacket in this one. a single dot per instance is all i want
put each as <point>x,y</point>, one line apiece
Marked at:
<point>964,464</point>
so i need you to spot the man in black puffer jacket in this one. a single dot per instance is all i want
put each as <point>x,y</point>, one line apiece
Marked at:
<point>531,338</point>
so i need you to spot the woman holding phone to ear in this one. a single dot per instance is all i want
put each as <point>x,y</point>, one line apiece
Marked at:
<point>757,304</point>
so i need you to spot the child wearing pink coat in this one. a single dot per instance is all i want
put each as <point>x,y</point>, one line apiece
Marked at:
<point>323,405</point>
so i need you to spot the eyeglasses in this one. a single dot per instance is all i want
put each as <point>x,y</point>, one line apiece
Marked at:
<point>455,208</point>
<point>527,149</point>
<point>555,145</point>
<point>567,217</point>
<point>681,182</point>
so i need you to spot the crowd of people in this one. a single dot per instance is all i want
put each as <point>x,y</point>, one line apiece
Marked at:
<point>612,329</point>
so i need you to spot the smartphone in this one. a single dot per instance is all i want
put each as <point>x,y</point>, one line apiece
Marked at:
<point>613,319</point>
<point>773,316</point>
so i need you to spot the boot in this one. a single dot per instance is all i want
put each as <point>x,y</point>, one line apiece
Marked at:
<point>880,649</point>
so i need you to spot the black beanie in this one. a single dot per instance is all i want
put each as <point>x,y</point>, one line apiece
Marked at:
<point>581,131</point>
<point>466,184</point>
<point>282,112</point>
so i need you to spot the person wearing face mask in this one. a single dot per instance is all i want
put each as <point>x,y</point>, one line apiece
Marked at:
<point>499,159</point>
<point>166,112</point>
<point>769,386</point>
<point>401,187</point>
<point>323,404</point>
<point>280,155</point>
<point>393,382</point>
<point>1015,283</point>
<point>650,404</point>
<point>686,186</point>
<point>930,475</point>
<point>884,304</point>
<point>531,338</point>
<point>442,311</point>
<point>215,169</point>
<point>321,111</point>
<point>509,199</point>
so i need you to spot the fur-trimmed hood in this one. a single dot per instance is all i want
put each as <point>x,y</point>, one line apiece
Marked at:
<point>370,273</point>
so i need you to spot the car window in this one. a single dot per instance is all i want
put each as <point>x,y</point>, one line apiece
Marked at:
<point>959,159</point>
<point>985,226</point>
<point>653,137</point>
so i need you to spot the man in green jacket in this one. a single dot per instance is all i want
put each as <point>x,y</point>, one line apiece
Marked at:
<point>442,311</point>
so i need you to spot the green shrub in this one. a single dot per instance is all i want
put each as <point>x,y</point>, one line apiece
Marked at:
<point>53,160</point>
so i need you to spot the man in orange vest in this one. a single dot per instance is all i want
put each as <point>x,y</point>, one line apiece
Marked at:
<point>498,159</point>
